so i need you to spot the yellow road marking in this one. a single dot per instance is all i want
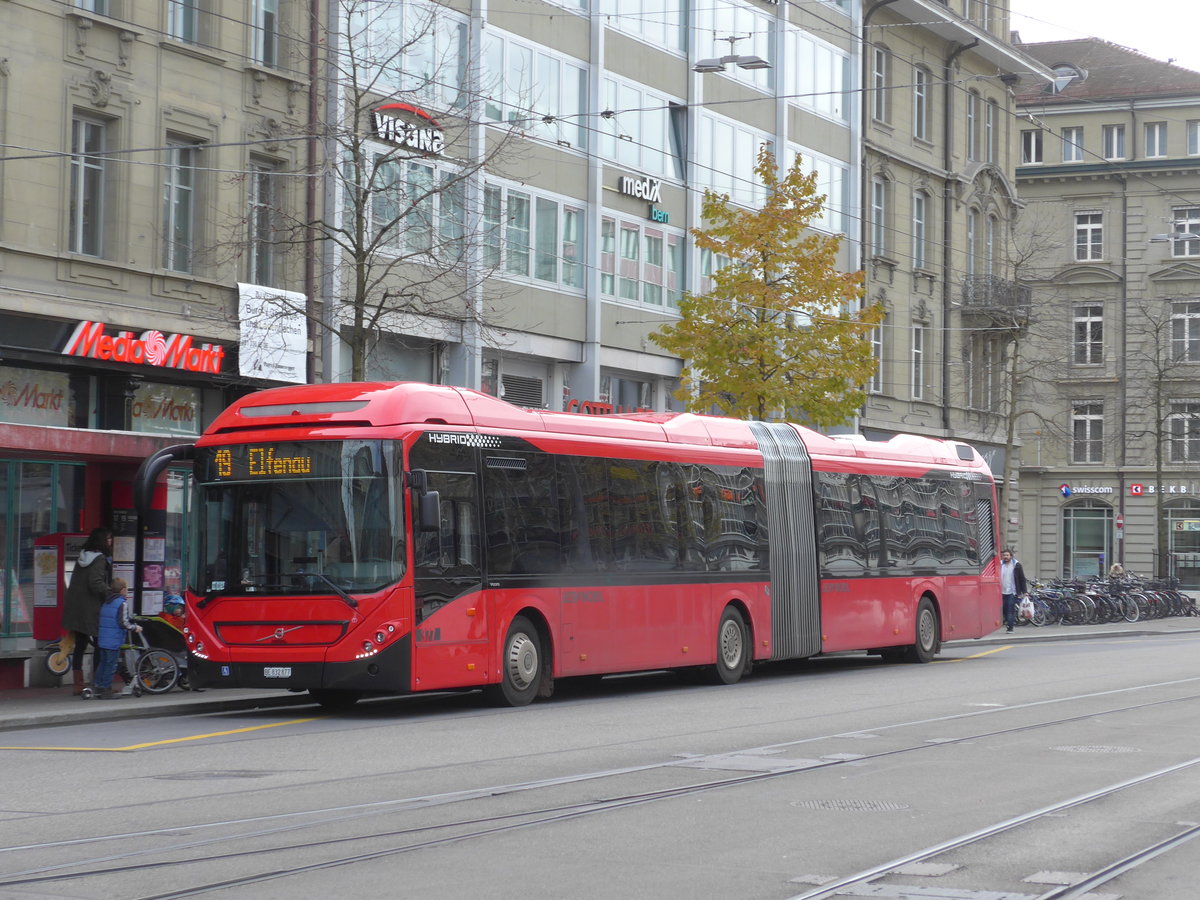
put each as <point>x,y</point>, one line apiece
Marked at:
<point>200,737</point>
<point>77,749</point>
<point>977,655</point>
<point>194,737</point>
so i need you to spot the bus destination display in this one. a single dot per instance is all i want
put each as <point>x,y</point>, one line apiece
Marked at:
<point>250,461</point>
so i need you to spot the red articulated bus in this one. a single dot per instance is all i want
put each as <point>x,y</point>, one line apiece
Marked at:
<point>390,538</point>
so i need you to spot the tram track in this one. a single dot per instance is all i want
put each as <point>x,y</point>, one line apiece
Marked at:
<point>481,827</point>
<point>845,885</point>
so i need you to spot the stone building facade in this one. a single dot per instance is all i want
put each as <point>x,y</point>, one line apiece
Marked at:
<point>1110,423</point>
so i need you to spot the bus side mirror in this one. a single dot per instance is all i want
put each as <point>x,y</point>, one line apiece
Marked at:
<point>429,511</point>
<point>418,480</point>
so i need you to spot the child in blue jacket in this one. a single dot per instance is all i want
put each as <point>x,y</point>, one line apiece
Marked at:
<point>114,622</point>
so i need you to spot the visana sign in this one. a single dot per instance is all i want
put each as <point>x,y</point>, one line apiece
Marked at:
<point>151,348</point>
<point>425,136</point>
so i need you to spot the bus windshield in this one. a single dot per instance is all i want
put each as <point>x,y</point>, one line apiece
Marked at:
<point>298,517</point>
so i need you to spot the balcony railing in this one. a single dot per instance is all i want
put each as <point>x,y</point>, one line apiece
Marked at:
<point>1000,299</point>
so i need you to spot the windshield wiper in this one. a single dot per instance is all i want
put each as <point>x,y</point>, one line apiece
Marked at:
<point>350,601</point>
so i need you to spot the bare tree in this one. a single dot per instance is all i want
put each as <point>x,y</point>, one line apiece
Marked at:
<point>1169,416</point>
<point>405,232</point>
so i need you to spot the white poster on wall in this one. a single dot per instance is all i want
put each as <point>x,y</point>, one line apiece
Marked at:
<point>274,334</point>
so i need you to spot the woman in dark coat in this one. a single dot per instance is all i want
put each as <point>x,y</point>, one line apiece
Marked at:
<point>86,593</point>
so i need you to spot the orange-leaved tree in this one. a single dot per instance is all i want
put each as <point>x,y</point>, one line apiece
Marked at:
<point>782,332</point>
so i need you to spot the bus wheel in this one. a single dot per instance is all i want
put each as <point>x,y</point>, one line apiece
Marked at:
<point>521,666</point>
<point>926,647</point>
<point>733,648</point>
<point>334,701</point>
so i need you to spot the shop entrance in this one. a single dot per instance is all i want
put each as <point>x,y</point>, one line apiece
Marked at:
<point>1087,538</point>
<point>1183,541</point>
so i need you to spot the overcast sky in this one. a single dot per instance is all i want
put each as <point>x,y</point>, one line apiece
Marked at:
<point>1162,29</point>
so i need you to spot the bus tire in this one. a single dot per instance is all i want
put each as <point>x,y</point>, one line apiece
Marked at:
<point>334,701</point>
<point>927,631</point>
<point>522,664</point>
<point>733,648</point>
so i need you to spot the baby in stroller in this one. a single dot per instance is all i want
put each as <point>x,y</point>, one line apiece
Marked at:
<point>166,631</point>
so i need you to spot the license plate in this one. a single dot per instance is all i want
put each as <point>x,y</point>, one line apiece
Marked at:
<point>277,672</point>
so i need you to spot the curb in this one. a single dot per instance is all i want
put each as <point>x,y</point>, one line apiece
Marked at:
<point>138,707</point>
<point>1030,634</point>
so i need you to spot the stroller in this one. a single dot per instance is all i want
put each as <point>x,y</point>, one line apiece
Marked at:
<point>163,640</point>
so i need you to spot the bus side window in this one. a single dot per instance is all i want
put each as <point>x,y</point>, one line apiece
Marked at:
<point>454,548</point>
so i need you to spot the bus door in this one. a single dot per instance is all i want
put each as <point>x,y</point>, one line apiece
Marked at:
<point>450,637</point>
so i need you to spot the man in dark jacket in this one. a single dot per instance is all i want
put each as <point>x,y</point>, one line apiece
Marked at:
<point>1012,585</point>
<point>89,588</point>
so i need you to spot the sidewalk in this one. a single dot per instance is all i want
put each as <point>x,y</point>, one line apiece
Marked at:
<point>35,707</point>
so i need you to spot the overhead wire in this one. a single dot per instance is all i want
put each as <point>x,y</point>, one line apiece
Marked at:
<point>848,214</point>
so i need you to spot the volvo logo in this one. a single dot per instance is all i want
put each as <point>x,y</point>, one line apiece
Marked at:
<point>278,634</point>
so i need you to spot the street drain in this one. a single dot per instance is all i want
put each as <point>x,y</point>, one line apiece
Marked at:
<point>850,805</point>
<point>1096,748</point>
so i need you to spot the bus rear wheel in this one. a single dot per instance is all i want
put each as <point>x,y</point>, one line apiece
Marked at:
<point>733,648</point>
<point>521,666</point>
<point>927,634</point>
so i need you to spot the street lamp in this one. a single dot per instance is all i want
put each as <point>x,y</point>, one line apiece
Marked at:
<point>718,64</point>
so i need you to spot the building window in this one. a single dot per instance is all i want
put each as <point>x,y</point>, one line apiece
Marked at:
<point>992,227</point>
<point>990,118</point>
<point>1187,221</point>
<point>264,208</point>
<point>833,181</point>
<point>1089,236</point>
<point>542,93</point>
<point>640,136</point>
<point>881,64</point>
<point>875,385</point>
<point>1193,137</point>
<point>918,361</point>
<point>533,237</point>
<point>1087,431</point>
<point>1072,144</point>
<point>660,24</point>
<point>179,206</point>
<point>1088,339</point>
<point>183,20</point>
<point>96,6</point>
<point>640,263</point>
<point>920,206</point>
<point>1156,139</point>
<point>972,242</point>
<point>1112,139</point>
<point>419,49</point>
<point>973,111</point>
<point>716,19</point>
<point>1185,331</point>
<point>89,177</point>
<point>1031,146</point>
<point>817,74</point>
<point>984,366</point>
<point>726,155</point>
<point>1183,431</point>
<point>879,214</point>
<point>266,32</point>
<point>921,103</point>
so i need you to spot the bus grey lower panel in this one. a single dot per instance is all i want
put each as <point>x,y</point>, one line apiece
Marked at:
<point>795,585</point>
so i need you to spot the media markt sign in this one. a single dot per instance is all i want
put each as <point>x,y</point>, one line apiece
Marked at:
<point>409,127</point>
<point>150,348</point>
